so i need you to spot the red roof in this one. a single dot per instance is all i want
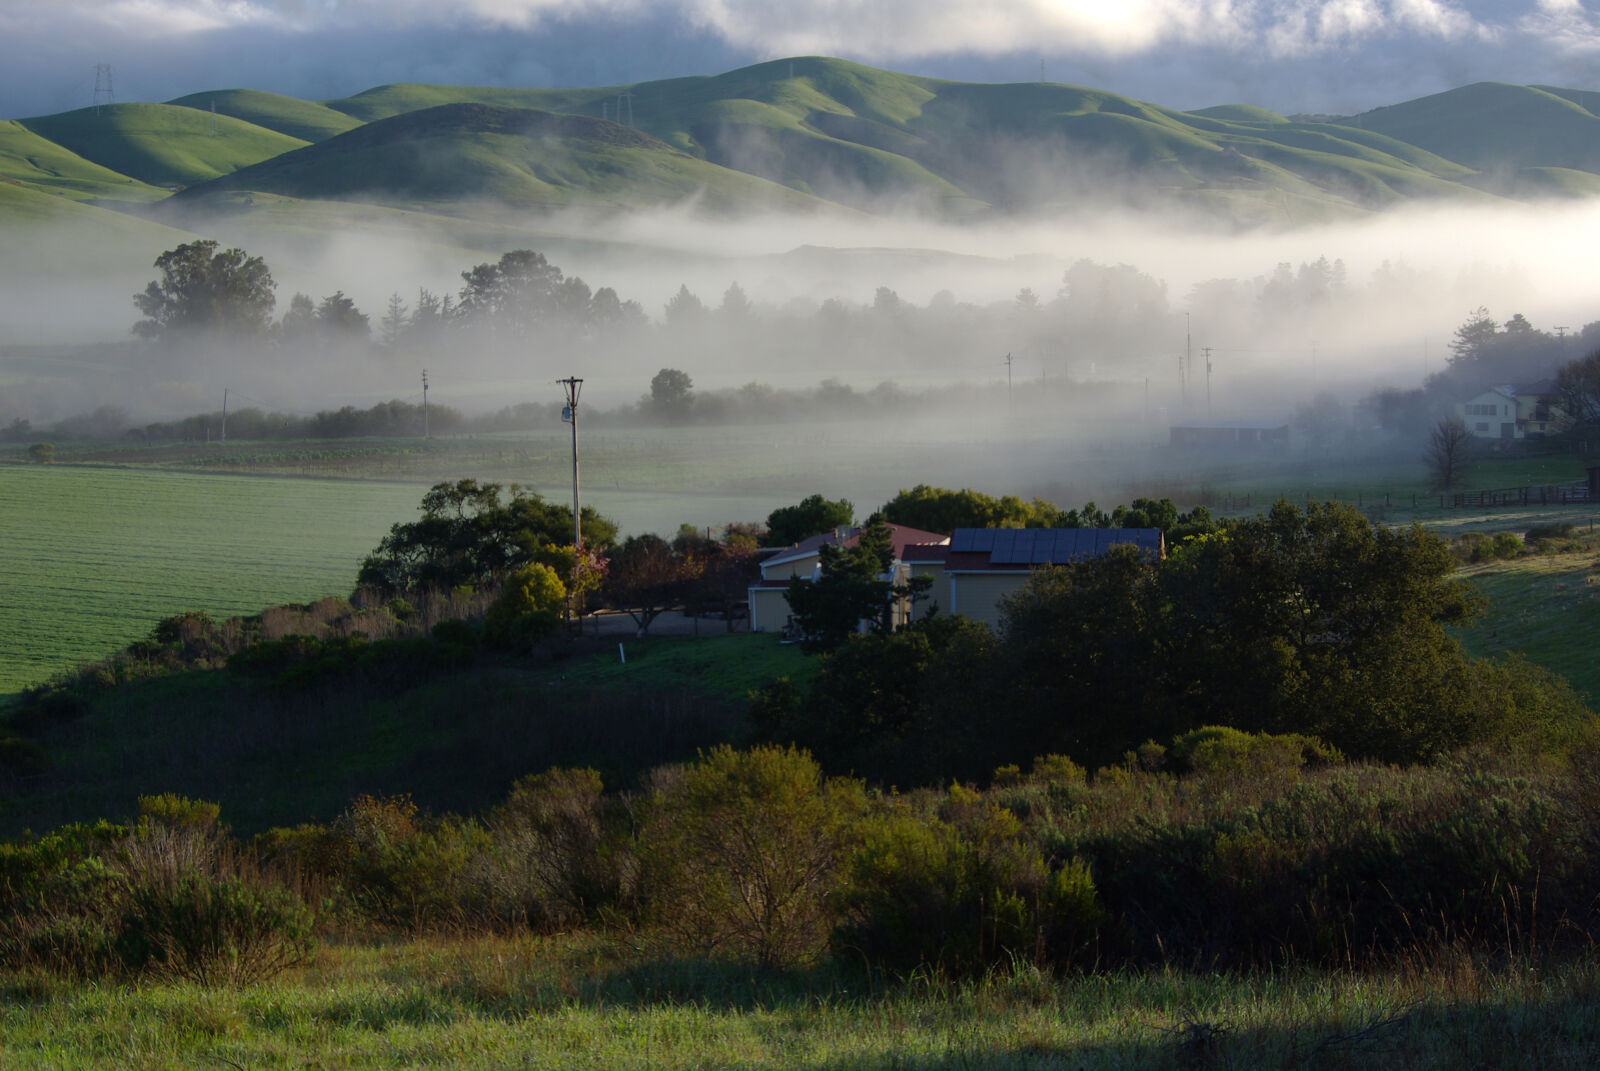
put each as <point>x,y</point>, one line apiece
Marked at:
<point>900,537</point>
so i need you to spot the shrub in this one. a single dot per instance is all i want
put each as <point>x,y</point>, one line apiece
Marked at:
<point>1541,533</point>
<point>1215,748</point>
<point>213,931</point>
<point>744,853</point>
<point>962,891</point>
<point>528,609</point>
<point>557,856</point>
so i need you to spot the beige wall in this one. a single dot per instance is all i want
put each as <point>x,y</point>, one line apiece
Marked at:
<point>977,595</point>
<point>938,595</point>
<point>769,609</point>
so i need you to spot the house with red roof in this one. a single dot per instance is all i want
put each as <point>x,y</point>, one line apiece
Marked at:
<point>769,605</point>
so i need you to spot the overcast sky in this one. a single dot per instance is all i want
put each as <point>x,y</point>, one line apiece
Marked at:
<point>1337,56</point>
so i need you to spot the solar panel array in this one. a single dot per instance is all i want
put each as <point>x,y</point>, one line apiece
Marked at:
<point>1046,546</point>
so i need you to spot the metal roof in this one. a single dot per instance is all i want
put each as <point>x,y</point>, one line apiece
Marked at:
<point>1049,546</point>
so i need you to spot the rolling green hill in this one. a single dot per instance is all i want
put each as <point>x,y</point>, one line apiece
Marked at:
<point>1494,127</point>
<point>162,144</point>
<point>513,156</point>
<point>806,132</point>
<point>35,162</point>
<point>292,116</point>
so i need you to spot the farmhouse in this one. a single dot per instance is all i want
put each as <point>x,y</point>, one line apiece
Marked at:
<point>769,606</point>
<point>983,565</point>
<point>971,571</point>
<point>1529,411</point>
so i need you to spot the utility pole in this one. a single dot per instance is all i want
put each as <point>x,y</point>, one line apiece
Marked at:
<point>1183,367</point>
<point>1010,404</point>
<point>224,414</point>
<point>425,403</point>
<point>1205,351</point>
<point>569,413</point>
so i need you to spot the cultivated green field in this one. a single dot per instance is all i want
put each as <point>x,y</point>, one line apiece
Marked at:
<point>92,558</point>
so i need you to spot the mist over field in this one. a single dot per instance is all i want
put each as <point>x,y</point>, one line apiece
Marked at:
<point>1286,311</point>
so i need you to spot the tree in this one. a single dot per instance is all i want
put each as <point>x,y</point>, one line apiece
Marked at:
<point>338,316</point>
<point>856,585</point>
<point>936,509</point>
<point>529,607</point>
<point>469,535</point>
<point>201,289</point>
<point>671,394</point>
<point>645,578</point>
<point>1449,444</point>
<point>299,321</point>
<point>685,310</point>
<point>512,296</point>
<point>1319,621</point>
<point>811,516</point>
<point>1578,391</point>
<point>392,328</point>
<point>735,307</point>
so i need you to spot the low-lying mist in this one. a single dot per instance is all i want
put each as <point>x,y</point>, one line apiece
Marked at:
<point>1278,315</point>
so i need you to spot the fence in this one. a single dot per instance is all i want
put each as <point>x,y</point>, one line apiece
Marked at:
<point>1539,495</point>
<point>1533,495</point>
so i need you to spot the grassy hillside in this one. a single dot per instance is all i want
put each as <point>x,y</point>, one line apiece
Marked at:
<point>1493,126</point>
<point>859,136</point>
<point>1545,607</point>
<point>34,162</point>
<point>513,156</point>
<point>795,133</point>
<point>162,144</point>
<point>301,119</point>
<point>279,754</point>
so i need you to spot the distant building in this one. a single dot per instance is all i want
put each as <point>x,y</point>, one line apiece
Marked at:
<point>768,597</point>
<point>986,564</point>
<point>1529,411</point>
<point>1229,435</point>
<point>971,571</point>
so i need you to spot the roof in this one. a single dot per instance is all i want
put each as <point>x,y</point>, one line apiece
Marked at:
<point>1538,386</point>
<point>900,537</point>
<point>1021,549</point>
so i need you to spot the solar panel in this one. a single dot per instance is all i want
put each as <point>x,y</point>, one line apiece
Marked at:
<point>1045,546</point>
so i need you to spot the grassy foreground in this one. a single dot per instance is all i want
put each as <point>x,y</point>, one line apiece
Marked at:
<point>582,1002</point>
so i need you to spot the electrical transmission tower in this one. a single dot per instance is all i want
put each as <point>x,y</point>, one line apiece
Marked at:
<point>103,93</point>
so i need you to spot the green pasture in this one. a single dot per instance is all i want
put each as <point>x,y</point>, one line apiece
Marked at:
<point>1545,607</point>
<point>575,1002</point>
<point>92,558</point>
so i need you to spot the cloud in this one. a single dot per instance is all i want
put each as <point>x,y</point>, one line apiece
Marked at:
<point>1289,55</point>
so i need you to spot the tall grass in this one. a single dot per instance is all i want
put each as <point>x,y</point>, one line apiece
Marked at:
<point>574,1002</point>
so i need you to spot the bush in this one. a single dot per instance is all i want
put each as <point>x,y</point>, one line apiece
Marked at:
<point>1541,533</point>
<point>1216,748</point>
<point>962,891</point>
<point>213,931</point>
<point>528,609</point>
<point>743,856</point>
<point>557,855</point>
